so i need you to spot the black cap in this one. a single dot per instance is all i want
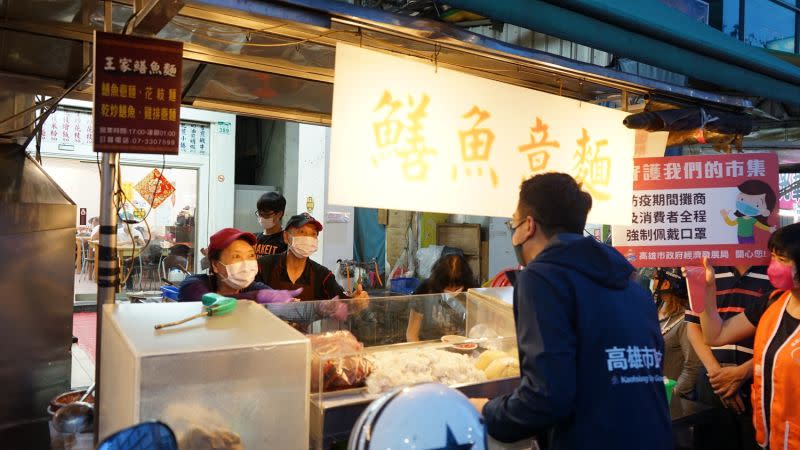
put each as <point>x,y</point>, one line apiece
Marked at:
<point>675,282</point>
<point>302,219</point>
<point>271,201</point>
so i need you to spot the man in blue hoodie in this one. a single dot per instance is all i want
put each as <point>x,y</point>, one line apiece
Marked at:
<point>590,348</point>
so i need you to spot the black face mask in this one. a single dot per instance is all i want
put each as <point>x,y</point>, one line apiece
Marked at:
<point>520,256</point>
<point>518,248</point>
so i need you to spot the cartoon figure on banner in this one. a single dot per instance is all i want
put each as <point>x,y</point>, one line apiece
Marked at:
<point>537,148</point>
<point>754,204</point>
<point>592,170</point>
<point>391,133</point>
<point>476,143</point>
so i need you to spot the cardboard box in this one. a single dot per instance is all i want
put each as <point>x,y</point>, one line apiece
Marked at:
<point>484,262</point>
<point>396,242</point>
<point>465,236</point>
<point>383,216</point>
<point>475,264</point>
<point>399,219</point>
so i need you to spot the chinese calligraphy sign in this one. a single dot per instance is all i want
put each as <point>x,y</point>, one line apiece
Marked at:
<point>592,169</point>
<point>137,94</point>
<point>721,207</point>
<point>405,140</point>
<point>476,146</point>
<point>438,140</point>
<point>539,147</point>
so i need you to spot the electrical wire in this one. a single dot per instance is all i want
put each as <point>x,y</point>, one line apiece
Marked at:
<point>43,104</point>
<point>120,194</point>
<point>55,105</point>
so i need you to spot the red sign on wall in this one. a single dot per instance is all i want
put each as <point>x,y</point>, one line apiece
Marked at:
<point>137,94</point>
<point>721,207</point>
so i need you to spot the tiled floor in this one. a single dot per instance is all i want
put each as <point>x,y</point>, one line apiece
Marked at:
<point>82,368</point>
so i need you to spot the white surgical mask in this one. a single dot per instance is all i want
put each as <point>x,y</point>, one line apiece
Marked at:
<point>266,224</point>
<point>240,274</point>
<point>303,246</point>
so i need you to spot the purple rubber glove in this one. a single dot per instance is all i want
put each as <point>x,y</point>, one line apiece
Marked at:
<point>265,296</point>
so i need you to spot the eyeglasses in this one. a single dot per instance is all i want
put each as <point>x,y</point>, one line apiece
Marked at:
<point>512,227</point>
<point>265,215</point>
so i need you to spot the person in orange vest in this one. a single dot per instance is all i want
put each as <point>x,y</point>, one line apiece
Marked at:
<point>775,322</point>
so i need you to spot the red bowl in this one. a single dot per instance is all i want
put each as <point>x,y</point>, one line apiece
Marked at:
<point>68,397</point>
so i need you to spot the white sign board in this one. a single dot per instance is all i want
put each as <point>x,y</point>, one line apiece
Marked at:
<point>408,136</point>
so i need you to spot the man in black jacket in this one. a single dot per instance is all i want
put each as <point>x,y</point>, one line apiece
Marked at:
<point>590,347</point>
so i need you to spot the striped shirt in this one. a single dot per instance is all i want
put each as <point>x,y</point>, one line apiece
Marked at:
<point>735,293</point>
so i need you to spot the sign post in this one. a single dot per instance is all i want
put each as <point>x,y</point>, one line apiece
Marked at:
<point>137,97</point>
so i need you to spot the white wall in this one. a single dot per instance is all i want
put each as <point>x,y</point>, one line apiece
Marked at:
<point>311,176</point>
<point>339,244</point>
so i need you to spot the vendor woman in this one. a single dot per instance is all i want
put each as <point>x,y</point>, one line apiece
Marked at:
<point>293,269</point>
<point>232,270</point>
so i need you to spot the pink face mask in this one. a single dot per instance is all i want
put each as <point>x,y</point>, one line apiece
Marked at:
<point>781,275</point>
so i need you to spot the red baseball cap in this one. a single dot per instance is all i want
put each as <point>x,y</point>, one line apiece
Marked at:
<point>224,237</point>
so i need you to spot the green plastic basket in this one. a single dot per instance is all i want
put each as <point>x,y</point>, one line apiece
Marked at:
<point>669,385</point>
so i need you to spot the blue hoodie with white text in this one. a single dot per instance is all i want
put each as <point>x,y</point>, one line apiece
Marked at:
<point>590,352</point>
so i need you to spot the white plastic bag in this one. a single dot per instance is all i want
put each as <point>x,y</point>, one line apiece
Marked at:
<point>427,257</point>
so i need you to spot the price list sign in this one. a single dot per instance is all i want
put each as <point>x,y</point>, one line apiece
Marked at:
<point>137,94</point>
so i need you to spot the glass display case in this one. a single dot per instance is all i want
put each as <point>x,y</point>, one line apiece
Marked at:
<point>239,380</point>
<point>361,349</point>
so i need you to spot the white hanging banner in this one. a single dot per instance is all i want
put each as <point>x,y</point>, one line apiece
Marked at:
<point>408,136</point>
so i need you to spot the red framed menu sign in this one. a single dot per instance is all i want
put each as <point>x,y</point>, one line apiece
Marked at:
<point>137,98</point>
<point>721,207</point>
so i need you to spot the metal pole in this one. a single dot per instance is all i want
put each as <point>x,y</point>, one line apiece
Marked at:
<point>107,268</point>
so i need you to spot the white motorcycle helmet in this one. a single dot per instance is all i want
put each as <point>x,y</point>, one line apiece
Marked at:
<point>429,416</point>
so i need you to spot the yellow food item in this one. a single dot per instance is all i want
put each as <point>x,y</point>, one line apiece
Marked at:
<point>503,368</point>
<point>487,357</point>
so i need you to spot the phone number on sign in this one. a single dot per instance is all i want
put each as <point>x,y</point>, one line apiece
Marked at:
<point>152,141</point>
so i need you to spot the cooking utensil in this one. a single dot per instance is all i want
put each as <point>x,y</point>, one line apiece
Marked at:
<point>86,394</point>
<point>220,306</point>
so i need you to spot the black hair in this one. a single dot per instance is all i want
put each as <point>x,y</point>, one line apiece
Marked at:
<point>785,241</point>
<point>556,203</point>
<point>451,270</point>
<point>271,201</point>
<point>758,187</point>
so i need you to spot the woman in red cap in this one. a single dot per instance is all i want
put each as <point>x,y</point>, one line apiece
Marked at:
<point>232,271</point>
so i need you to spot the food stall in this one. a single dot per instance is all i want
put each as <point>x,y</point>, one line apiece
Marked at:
<point>465,342</point>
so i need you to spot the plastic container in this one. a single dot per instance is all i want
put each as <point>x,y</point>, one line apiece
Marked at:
<point>669,385</point>
<point>404,286</point>
<point>169,293</point>
<point>241,377</point>
<point>696,286</point>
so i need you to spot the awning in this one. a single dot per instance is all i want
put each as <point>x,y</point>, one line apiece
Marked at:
<point>652,33</point>
<point>276,59</point>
